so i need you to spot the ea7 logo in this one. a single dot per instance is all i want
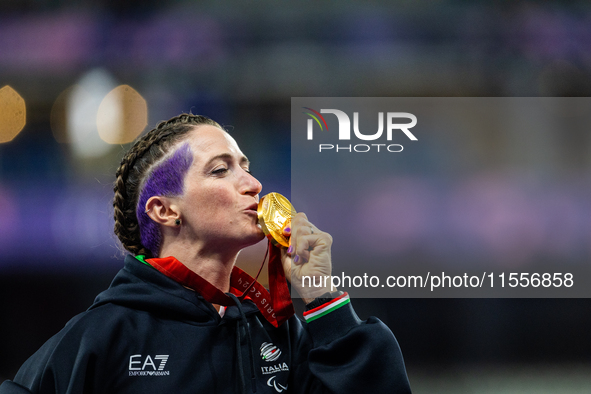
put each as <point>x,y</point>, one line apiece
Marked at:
<point>139,363</point>
<point>345,124</point>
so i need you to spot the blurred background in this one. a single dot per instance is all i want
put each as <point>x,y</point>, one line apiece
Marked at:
<point>80,80</point>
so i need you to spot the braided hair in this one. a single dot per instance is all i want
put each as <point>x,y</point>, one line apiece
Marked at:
<point>135,167</point>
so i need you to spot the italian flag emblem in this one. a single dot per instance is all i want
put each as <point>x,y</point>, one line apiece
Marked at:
<point>325,309</point>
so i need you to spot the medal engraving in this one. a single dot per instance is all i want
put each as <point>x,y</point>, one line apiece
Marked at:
<point>274,213</point>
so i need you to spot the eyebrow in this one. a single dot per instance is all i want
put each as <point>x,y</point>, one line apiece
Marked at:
<point>226,156</point>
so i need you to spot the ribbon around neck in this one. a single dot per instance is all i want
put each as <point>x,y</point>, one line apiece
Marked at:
<point>275,305</point>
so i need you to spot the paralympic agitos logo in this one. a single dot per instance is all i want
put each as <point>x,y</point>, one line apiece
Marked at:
<point>392,124</point>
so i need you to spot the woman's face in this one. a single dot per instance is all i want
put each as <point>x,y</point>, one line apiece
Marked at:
<point>219,203</point>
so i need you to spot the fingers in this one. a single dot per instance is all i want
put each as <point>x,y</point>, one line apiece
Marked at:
<point>300,225</point>
<point>304,238</point>
<point>304,246</point>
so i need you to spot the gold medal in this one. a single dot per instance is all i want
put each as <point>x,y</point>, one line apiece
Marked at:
<point>275,212</point>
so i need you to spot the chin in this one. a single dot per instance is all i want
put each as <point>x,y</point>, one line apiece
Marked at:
<point>255,238</point>
<point>260,236</point>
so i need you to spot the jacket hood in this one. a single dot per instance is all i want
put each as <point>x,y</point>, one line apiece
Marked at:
<point>163,296</point>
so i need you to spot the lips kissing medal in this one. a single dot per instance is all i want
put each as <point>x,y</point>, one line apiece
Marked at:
<point>274,213</point>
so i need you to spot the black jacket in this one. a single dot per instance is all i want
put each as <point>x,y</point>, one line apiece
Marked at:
<point>148,334</point>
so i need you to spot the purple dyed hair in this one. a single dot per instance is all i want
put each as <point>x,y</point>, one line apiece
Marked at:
<point>166,178</point>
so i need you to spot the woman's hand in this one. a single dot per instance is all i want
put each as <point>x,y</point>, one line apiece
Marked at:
<point>307,256</point>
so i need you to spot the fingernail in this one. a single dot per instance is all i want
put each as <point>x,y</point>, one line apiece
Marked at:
<point>290,249</point>
<point>287,229</point>
<point>296,259</point>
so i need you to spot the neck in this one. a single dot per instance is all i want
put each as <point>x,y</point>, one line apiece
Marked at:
<point>215,267</point>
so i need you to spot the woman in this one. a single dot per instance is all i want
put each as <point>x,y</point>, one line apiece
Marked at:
<point>179,316</point>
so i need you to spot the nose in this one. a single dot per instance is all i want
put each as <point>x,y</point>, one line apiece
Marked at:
<point>250,185</point>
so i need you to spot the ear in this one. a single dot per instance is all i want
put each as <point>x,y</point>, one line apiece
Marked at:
<point>163,211</point>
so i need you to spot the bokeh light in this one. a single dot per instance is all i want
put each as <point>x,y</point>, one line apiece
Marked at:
<point>12,114</point>
<point>82,108</point>
<point>58,118</point>
<point>122,115</point>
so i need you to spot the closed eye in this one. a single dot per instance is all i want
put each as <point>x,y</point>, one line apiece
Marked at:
<point>220,171</point>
